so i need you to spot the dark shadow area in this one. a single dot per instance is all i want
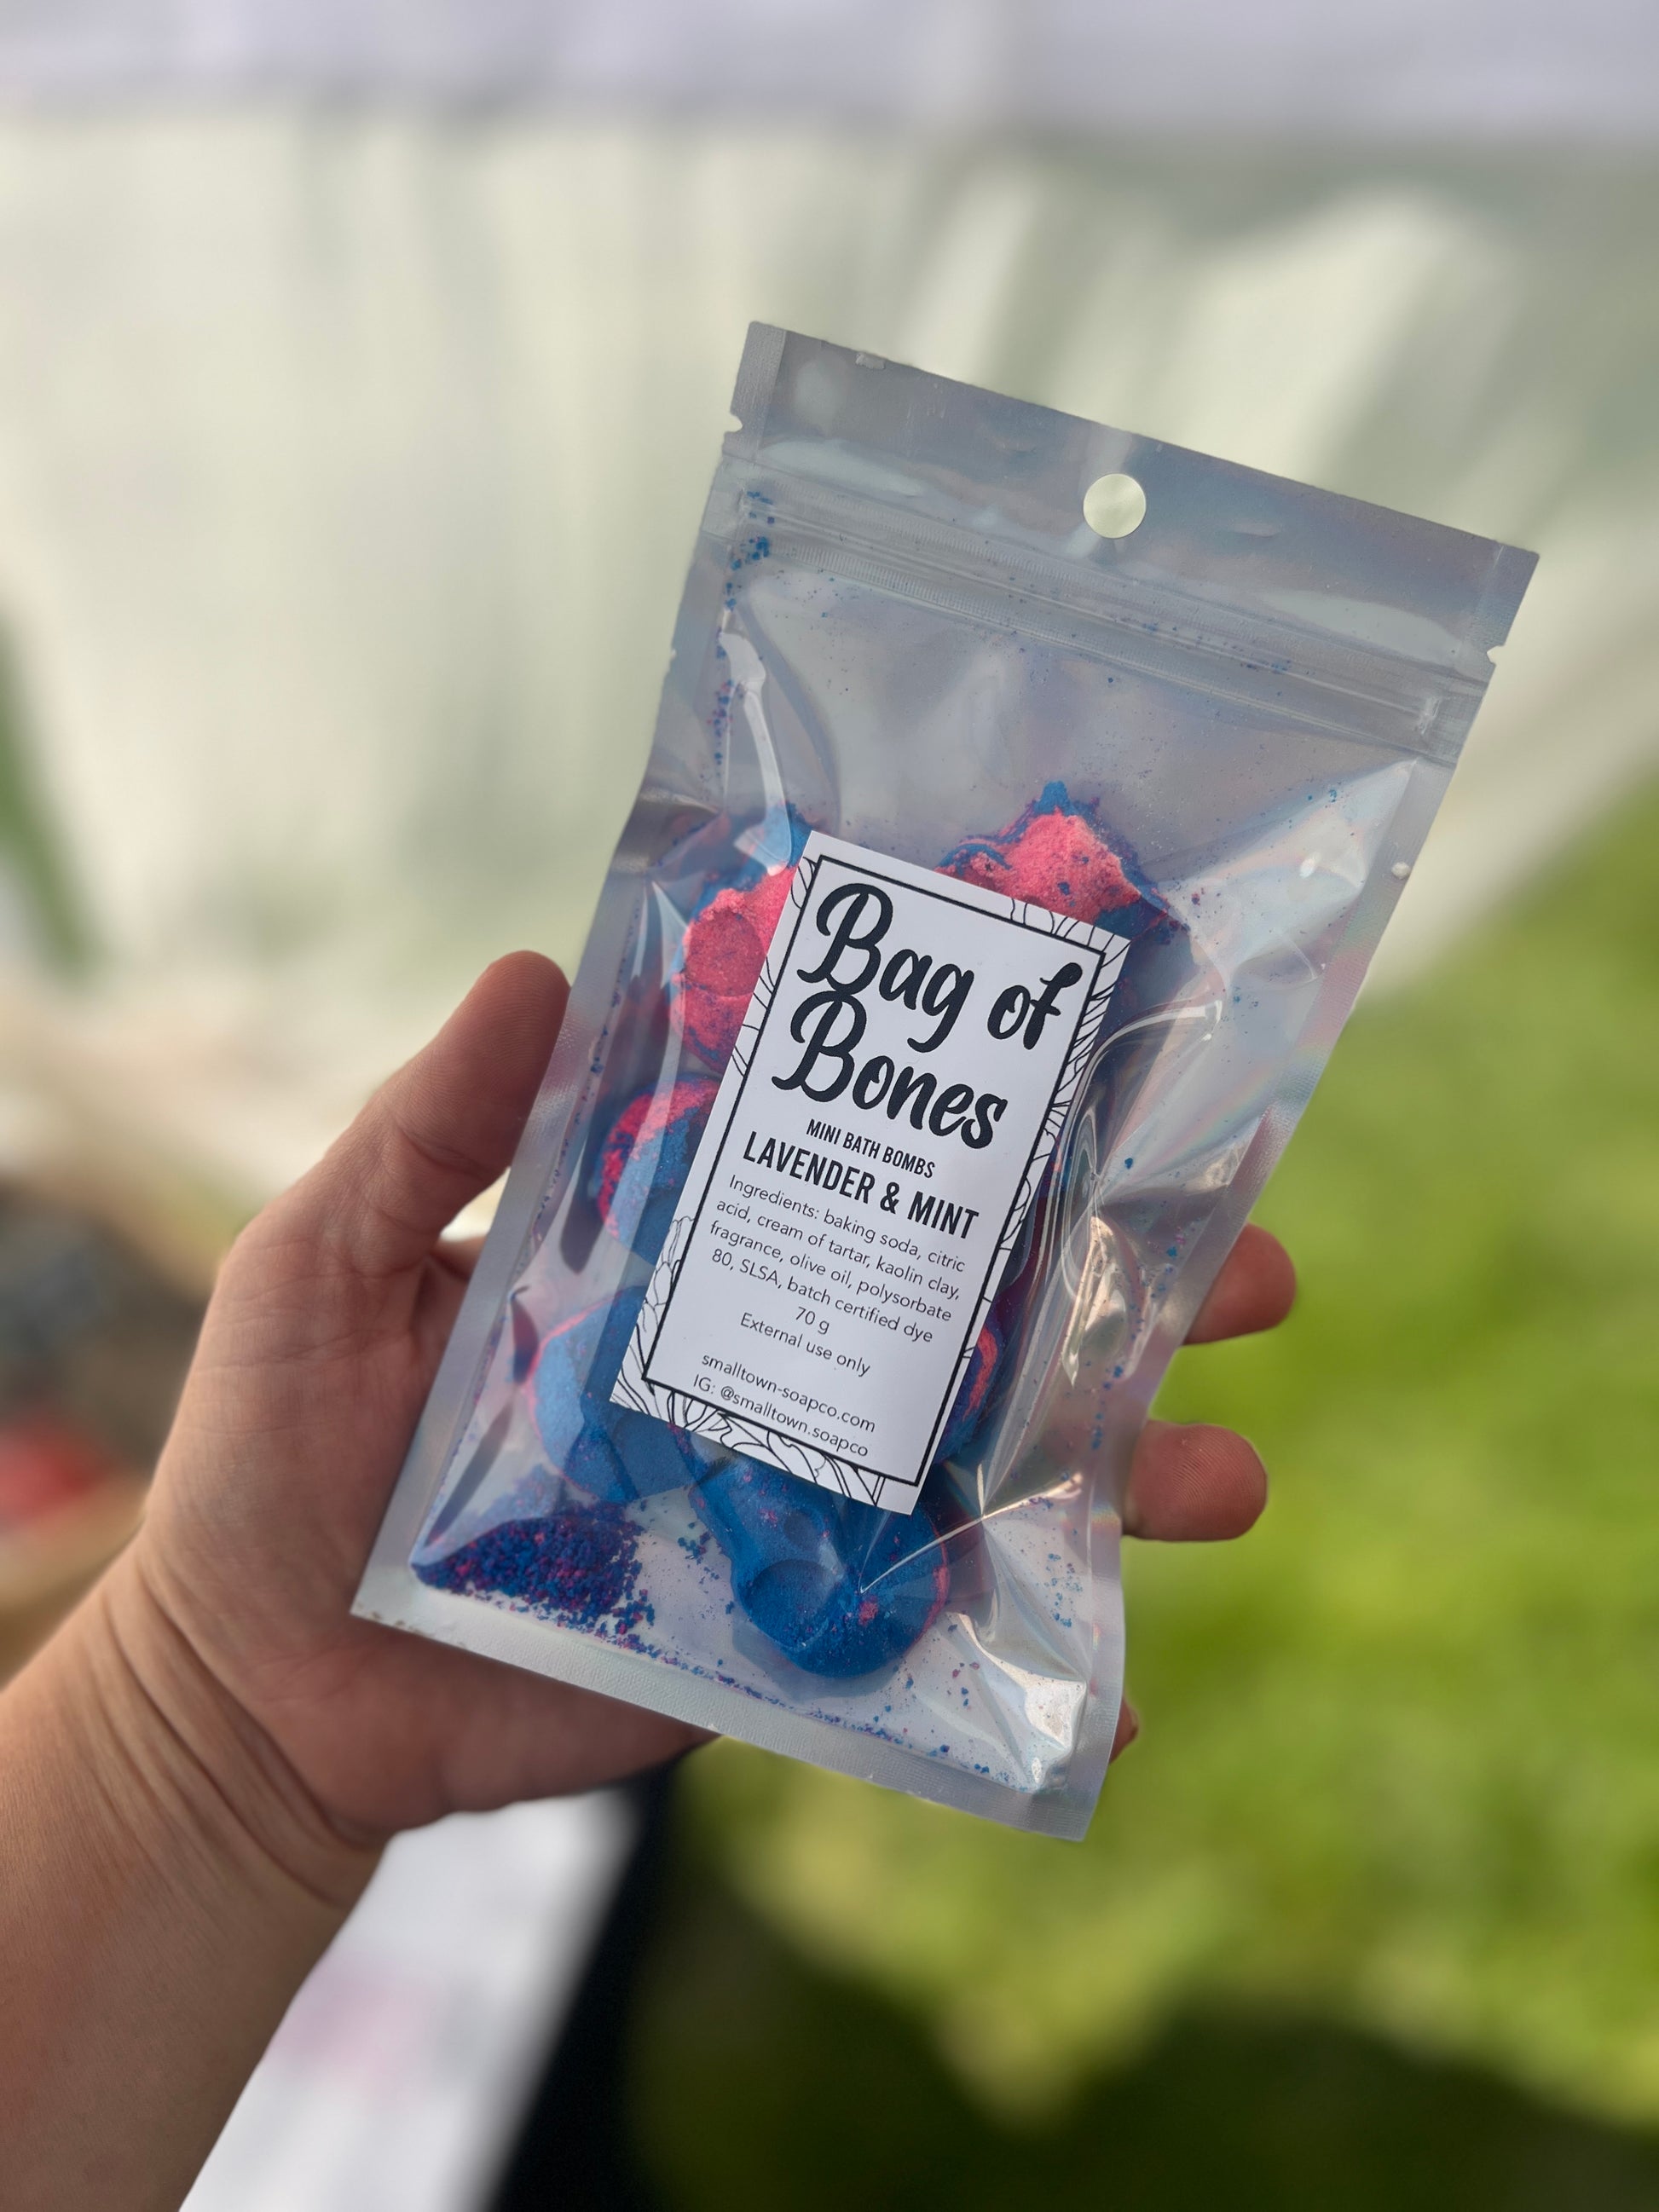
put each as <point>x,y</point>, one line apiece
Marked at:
<point>578,2145</point>
<point>94,1341</point>
<point>755,2079</point>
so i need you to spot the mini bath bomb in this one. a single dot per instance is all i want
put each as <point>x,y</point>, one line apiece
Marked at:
<point>644,1161</point>
<point>840,1589</point>
<point>975,1395</point>
<point>725,943</point>
<point>1055,856</point>
<point>612,1453</point>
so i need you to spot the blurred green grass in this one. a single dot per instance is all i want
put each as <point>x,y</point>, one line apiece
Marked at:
<point>754,2078</point>
<point>1401,1766</point>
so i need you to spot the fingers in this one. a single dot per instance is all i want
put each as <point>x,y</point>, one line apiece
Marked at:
<point>1255,1289</point>
<point>1193,1484</point>
<point>443,1127</point>
<point>1196,1484</point>
<point>460,1254</point>
<point>1128,1728</point>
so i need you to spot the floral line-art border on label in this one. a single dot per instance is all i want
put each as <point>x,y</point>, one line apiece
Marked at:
<point>772,1440</point>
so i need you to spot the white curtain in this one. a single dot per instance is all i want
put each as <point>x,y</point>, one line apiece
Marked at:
<point>350,455</point>
<point>1419,68</point>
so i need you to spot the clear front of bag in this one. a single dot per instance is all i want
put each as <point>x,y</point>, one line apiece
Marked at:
<point>871,1517</point>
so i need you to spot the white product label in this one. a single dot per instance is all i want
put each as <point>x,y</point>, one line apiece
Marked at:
<point>903,1071</point>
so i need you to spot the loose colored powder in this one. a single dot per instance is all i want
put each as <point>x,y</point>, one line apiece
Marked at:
<point>580,1568</point>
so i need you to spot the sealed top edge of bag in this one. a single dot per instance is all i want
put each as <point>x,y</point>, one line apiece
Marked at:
<point>1224,555</point>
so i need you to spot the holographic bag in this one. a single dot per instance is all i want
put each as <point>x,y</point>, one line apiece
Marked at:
<point>1026,802</point>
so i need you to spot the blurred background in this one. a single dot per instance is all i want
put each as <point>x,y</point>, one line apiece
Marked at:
<point>361,370</point>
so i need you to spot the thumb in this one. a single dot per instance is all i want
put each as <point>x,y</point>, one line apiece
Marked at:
<point>443,1127</point>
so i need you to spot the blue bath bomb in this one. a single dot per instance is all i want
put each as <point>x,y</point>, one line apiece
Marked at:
<point>612,1453</point>
<point>643,1164</point>
<point>975,1395</point>
<point>838,1588</point>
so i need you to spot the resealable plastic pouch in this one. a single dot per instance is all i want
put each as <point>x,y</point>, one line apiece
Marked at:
<point>1026,802</point>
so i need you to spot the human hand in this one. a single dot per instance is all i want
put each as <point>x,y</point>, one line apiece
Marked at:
<point>210,1753</point>
<point>318,1351</point>
<point>1190,1481</point>
<point>320,1346</point>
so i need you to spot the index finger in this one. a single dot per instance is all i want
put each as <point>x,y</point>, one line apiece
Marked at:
<point>443,1127</point>
<point>1255,1289</point>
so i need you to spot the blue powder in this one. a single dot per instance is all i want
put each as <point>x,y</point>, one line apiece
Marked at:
<point>578,1567</point>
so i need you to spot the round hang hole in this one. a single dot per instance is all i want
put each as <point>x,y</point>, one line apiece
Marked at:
<point>1113,505</point>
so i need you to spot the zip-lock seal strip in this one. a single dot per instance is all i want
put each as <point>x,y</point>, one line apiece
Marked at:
<point>1453,594</point>
<point>1111,618</point>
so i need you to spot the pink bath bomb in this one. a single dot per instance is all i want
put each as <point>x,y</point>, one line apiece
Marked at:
<point>1056,859</point>
<point>726,944</point>
<point>655,1136</point>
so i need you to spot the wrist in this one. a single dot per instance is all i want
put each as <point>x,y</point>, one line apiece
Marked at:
<point>167,1888</point>
<point>190,1759</point>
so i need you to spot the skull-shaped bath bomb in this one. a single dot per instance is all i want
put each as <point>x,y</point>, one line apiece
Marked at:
<point>1055,856</point>
<point>840,1589</point>
<point>975,1395</point>
<point>725,943</point>
<point>644,1161</point>
<point>610,1452</point>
